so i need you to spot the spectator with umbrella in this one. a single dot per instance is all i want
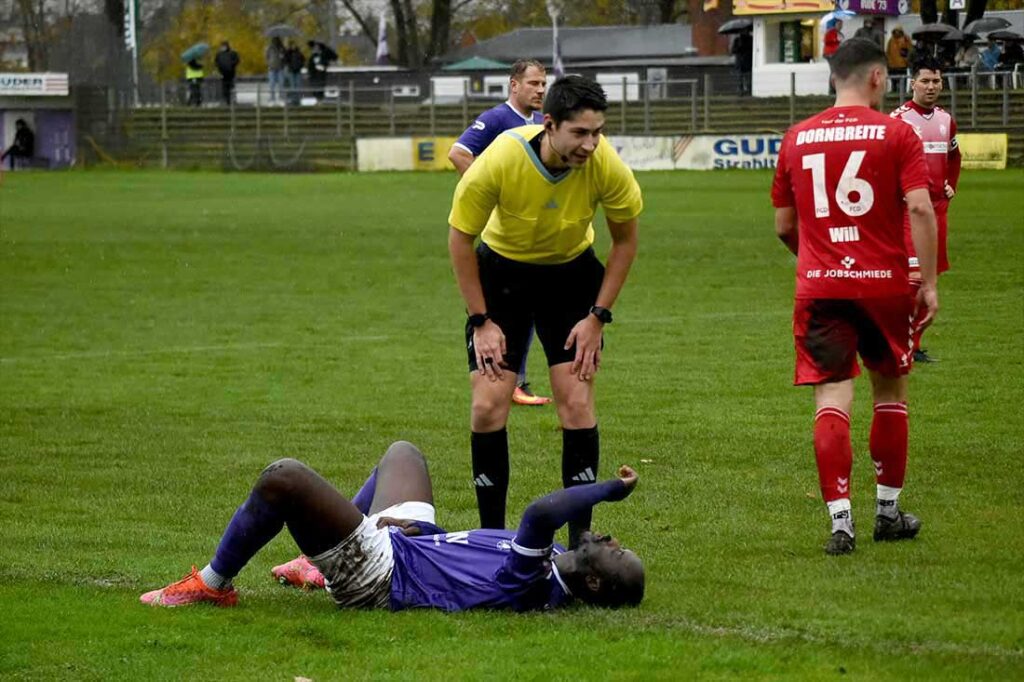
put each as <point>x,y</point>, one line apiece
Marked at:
<point>276,56</point>
<point>927,39</point>
<point>991,56</point>
<point>968,57</point>
<point>742,49</point>
<point>194,72</point>
<point>833,37</point>
<point>227,63</point>
<point>1012,52</point>
<point>275,67</point>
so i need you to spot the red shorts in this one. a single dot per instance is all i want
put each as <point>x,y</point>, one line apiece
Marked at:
<point>942,221</point>
<point>829,333</point>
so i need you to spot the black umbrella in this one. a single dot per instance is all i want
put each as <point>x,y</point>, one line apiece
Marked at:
<point>932,31</point>
<point>986,24</point>
<point>954,36</point>
<point>329,54</point>
<point>1008,36</point>
<point>741,25</point>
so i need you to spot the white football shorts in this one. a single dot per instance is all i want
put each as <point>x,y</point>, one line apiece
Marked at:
<point>357,572</point>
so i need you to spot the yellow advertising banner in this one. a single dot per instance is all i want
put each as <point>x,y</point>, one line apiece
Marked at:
<point>431,153</point>
<point>740,7</point>
<point>983,150</point>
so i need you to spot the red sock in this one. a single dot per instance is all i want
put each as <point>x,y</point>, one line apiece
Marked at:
<point>833,452</point>
<point>889,443</point>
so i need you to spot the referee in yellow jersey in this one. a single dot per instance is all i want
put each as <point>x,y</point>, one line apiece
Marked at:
<point>531,197</point>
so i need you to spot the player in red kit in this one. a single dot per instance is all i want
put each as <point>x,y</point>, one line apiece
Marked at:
<point>941,154</point>
<point>844,178</point>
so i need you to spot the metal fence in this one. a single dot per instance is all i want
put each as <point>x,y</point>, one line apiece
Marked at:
<point>347,97</point>
<point>303,128</point>
<point>692,101</point>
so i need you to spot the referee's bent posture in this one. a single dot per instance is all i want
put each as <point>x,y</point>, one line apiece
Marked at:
<point>531,197</point>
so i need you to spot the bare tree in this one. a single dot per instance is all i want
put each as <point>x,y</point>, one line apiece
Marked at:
<point>364,25</point>
<point>412,48</point>
<point>114,11</point>
<point>35,29</point>
<point>440,28</point>
<point>407,33</point>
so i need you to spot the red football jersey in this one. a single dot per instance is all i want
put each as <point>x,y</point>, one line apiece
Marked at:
<point>941,151</point>
<point>846,172</point>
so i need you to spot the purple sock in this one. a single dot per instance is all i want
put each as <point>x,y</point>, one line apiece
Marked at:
<point>364,497</point>
<point>254,524</point>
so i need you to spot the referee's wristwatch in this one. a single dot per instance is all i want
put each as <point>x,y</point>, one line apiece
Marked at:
<point>602,314</point>
<point>478,320</point>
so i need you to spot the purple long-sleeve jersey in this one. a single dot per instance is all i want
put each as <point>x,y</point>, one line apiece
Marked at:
<point>498,569</point>
<point>492,123</point>
<point>473,569</point>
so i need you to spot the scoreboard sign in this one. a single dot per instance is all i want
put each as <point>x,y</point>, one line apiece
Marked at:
<point>892,8</point>
<point>33,84</point>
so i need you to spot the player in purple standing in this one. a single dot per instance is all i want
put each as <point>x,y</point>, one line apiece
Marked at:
<point>526,85</point>
<point>383,550</point>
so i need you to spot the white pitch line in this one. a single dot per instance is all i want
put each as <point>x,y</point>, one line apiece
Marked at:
<point>101,354</point>
<point>86,354</point>
<point>770,635</point>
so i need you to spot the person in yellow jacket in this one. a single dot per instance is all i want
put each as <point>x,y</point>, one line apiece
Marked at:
<point>194,78</point>
<point>897,50</point>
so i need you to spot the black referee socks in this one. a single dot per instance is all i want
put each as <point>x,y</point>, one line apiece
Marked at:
<point>490,476</point>
<point>581,449</point>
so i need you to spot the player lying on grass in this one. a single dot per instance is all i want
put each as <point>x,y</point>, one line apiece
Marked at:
<point>383,550</point>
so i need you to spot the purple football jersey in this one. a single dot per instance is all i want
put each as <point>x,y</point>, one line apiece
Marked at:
<point>492,123</point>
<point>473,569</point>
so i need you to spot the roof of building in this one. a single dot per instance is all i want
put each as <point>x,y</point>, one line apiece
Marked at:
<point>583,44</point>
<point>478,64</point>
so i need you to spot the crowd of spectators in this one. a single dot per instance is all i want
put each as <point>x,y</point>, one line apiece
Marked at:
<point>972,53</point>
<point>285,65</point>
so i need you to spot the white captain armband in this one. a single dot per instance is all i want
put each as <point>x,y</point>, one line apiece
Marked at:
<point>529,551</point>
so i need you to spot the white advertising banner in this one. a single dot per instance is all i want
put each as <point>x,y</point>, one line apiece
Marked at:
<point>698,152</point>
<point>385,153</point>
<point>33,84</point>
<point>645,153</point>
<point>641,153</point>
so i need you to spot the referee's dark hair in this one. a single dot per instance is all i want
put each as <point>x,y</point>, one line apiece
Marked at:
<point>520,66</point>
<point>571,95</point>
<point>854,56</point>
<point>925,62</point>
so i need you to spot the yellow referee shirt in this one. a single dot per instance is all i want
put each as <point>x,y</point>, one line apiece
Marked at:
<point>523,212</point>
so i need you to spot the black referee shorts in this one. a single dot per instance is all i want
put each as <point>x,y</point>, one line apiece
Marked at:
<point>551,297</point>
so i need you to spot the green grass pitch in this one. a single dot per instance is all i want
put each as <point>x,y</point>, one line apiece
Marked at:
<point>164,336</point>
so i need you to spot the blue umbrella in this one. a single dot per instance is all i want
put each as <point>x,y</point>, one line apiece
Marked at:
<point>197,51</point>
<point>831,17</point>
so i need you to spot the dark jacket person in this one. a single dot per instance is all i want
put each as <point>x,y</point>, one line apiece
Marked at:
<point>24,144</point>
<point>227,63</point>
